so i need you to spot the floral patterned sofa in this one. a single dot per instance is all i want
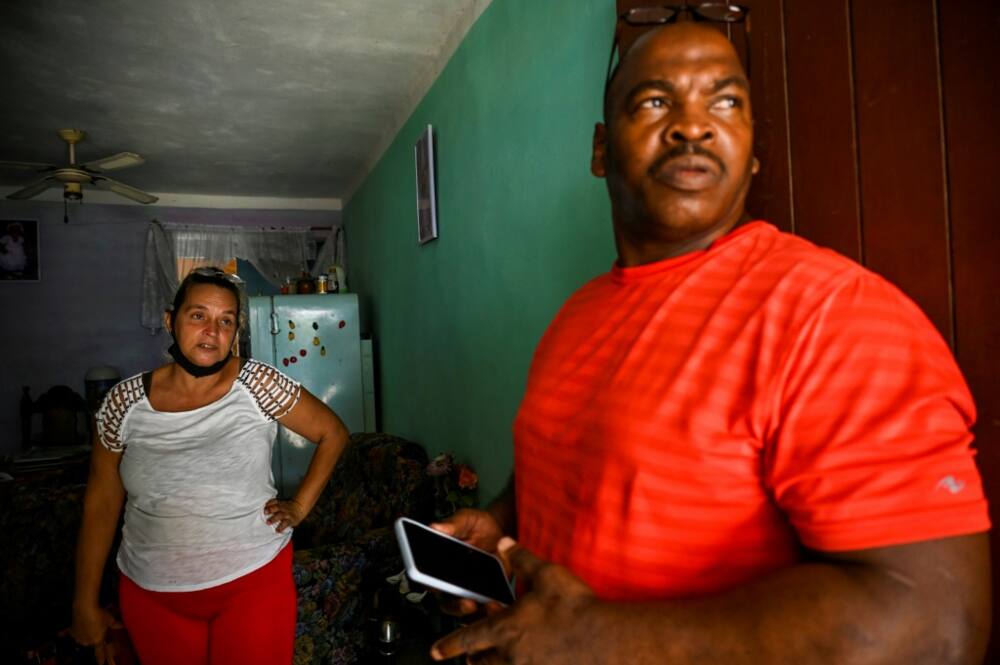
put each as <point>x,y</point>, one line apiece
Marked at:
<point>343,552</point>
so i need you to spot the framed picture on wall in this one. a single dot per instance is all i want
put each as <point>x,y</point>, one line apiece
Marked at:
<point>19,251</point>
<point>427,227</point>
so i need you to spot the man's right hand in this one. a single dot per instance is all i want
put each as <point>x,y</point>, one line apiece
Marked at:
<point>90,628</point>
<point>478,528</point>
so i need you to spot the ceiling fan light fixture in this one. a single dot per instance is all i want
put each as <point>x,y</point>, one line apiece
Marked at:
<point>72,191</point>
<point>73,176</point>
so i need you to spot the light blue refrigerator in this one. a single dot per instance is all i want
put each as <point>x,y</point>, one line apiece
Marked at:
<point>315,339</point>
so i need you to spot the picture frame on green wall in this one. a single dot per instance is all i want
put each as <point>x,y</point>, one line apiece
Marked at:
<point>427,226</point>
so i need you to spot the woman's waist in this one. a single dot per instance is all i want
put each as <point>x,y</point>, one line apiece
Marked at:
<point>178,526</point>
<point>192,568</point>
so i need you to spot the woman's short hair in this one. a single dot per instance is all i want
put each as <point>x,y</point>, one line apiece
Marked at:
<point>215,277</point>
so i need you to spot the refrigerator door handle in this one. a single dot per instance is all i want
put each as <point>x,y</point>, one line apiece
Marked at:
<point>274,323</point>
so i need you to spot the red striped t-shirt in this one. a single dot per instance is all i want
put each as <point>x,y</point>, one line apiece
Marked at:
<point>688,423</point>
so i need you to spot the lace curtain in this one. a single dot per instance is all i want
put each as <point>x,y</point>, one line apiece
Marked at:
<point>275,253</point>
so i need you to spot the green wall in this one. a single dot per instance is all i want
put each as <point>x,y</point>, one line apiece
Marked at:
<point>522,224</point>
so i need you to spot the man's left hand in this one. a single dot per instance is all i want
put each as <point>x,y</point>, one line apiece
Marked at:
<point>543,626</point>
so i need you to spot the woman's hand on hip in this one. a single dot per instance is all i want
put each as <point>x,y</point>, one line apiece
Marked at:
<point>284,514</point>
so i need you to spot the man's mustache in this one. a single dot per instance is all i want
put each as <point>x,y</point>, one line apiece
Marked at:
<point>683,150</point>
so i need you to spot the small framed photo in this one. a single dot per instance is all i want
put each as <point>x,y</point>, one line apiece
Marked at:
<point>427,227</point>
<point>19,251</point>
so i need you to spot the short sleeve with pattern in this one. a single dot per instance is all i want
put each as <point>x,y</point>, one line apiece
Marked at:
<point>275,393</point>
<point>114,409</point>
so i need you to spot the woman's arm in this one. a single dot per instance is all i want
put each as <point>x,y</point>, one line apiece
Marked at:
<point>102,505</point>
<point>313,420</point>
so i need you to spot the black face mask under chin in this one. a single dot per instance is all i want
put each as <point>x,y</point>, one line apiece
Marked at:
<point>196,370</point>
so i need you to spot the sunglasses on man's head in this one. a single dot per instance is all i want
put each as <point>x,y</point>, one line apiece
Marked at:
<point>713,12</point>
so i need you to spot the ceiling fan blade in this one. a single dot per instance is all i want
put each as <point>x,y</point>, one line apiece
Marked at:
<point>125,190</point>
<point>28,166</point>
<point>34,189</point>
<point>120,161</point>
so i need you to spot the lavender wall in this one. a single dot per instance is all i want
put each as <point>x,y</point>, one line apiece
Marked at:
<point>85,310</point>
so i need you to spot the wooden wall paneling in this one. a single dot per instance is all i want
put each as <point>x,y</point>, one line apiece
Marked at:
<point>771,194</point>
<point>904,219</point>
<point>970,69</point>
<point>821,120</point>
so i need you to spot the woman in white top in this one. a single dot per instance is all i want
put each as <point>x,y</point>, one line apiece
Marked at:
<point>205,557</point>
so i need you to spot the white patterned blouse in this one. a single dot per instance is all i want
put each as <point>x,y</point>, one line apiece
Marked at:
<point>197,480</point>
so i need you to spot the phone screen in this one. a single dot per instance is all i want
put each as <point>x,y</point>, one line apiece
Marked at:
<point>440,557</point>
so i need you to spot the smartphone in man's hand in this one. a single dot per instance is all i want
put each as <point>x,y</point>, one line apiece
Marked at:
<point>447,564</point>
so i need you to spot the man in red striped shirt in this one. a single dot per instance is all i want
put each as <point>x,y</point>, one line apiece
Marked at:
<point>735,447</point>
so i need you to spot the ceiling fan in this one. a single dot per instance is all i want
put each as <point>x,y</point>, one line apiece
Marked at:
<point>73,176</point>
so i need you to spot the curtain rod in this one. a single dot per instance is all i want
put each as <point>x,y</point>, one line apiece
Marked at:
<point>266,227</point>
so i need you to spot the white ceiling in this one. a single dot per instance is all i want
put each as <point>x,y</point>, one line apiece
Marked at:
<point>224,98</point>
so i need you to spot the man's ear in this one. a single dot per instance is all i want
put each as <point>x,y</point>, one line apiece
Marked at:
<point>755,166</point>
<point>166,322</point>
<point>599,150</point>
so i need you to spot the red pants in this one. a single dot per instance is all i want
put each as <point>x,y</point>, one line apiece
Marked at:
<point>249,621</point>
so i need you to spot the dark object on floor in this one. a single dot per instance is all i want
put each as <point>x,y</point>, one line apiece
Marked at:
<point>403,630</point>
<point>63,650</point>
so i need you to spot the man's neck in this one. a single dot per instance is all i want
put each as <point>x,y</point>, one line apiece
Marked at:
<point>640,251</point>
